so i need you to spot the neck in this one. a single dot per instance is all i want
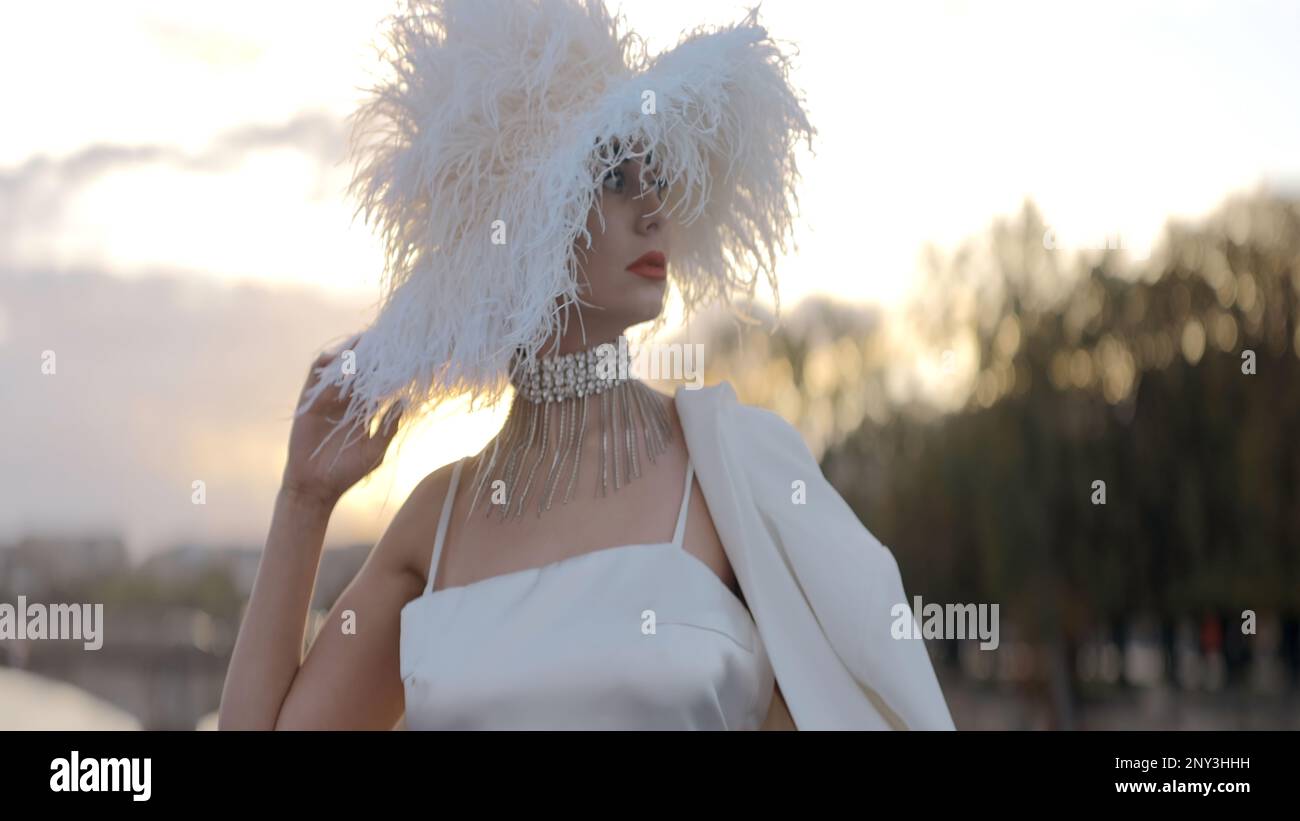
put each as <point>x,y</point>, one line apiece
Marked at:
<point>601,358</point>
<point>573,339</point>
<point>565,407</point>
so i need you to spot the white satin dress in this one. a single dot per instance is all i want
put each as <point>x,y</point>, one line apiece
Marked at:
<point>634,637</point>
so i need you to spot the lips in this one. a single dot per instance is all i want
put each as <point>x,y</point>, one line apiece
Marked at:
<point>651,265</point>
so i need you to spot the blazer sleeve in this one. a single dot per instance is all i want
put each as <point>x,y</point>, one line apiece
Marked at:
<point>825,594</point>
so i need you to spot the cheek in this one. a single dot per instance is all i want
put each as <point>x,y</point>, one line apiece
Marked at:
<point>608,247</point>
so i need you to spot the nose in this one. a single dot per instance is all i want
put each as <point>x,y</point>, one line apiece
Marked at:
<point>651,204</point>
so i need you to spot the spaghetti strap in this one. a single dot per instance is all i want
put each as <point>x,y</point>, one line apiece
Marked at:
<point>442,525</point>
<point>686,501</point>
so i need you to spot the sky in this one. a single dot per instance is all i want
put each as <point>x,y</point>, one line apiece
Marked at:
<point>173,222</point>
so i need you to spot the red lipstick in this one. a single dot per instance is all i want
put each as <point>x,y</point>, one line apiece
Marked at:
<point>651,265</point>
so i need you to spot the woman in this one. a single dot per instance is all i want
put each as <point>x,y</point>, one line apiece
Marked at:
<point>539,179</point>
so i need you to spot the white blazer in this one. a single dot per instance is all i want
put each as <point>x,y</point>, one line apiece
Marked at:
<point>819,585</point>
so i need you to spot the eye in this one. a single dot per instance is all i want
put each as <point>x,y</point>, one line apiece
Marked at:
<point>660,182</point>
<point>614,180</point>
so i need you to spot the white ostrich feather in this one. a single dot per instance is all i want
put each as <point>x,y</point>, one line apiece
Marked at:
<point>513,111</point>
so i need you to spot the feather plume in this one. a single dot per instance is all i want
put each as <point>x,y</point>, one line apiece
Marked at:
<point>478,161</point>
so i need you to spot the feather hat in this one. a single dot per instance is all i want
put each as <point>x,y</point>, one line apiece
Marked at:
<point>480,157</point>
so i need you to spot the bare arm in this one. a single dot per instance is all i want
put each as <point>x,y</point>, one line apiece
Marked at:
<point>269,646</point>
<point>351,678</point>
<point>264,672</point>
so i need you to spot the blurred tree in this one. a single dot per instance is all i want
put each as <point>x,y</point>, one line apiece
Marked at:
<point>971,433</point>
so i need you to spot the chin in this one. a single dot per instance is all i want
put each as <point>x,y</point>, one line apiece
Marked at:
<point>638,304</point>
<point>649,308</point>
<point>635,316</point>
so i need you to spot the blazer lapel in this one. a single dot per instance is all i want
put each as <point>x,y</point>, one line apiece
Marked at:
<point>817,582</point>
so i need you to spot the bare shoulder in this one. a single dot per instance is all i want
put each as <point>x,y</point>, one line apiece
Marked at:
<point>407,543</point>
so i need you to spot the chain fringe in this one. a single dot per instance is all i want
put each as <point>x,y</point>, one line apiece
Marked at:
<point>629,411</point>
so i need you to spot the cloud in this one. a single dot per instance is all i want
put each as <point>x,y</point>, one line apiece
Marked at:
<point>36,192</point>
<point>158,382</point>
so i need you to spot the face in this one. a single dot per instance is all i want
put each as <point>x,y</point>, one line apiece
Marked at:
<point>622,277</point>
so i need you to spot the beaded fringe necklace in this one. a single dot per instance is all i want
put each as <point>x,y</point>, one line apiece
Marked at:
<point>555,391</point>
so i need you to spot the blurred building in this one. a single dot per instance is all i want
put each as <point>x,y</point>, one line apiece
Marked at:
<point>38,564</point>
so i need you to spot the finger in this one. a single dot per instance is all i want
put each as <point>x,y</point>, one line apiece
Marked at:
<point>315,374</point>
<point>327,356</point>
<point>330,396</point>
<point>350,344</point>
